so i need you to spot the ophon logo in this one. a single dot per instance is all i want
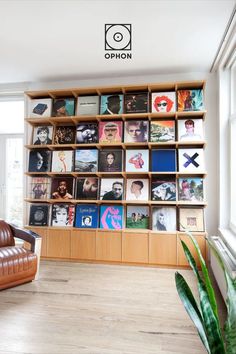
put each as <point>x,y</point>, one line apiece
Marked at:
<point>118,37</point>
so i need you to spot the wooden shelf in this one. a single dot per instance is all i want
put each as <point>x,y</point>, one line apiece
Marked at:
<point>141,246</point>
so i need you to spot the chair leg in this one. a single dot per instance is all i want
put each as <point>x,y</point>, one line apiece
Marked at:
<point>38,242</point>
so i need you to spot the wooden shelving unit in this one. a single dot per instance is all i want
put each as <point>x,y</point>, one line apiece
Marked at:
<point>135,246</point>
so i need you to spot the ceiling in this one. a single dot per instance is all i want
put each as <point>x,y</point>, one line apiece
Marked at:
<point>52,40</point>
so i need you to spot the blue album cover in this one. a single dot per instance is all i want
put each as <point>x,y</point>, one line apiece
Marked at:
<point>86,216</point>
<point>111,217</point>
<point>164,160</point>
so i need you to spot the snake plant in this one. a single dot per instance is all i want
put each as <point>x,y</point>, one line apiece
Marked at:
<point>204,312</point>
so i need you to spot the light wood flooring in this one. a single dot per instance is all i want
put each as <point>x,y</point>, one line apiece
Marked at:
<point>78,308</point>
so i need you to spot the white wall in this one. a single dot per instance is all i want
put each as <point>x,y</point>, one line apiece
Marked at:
<point>211,213</point>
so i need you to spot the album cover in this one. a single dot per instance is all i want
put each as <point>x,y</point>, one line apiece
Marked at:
<point>110,160</point>
<point>163,160</point>
<point>162,131</point>
<point>87,133</point>
<point>110,132</point>
<point>39,160</point>
<point>39,188</point>
<point>163,189</point>
<point>137,217</point>
<point>112,189</point>
<point>111,104</point>
<point>136,131</point>
<point>62,160</point>
<point>63,107</point>
<point>191,160</point>
<point>111,217</point>
<point>137,160</point>
<point>190,130</point>
<point>64,134</point>
<point>87,105</point>
<point>191,219</point>
<point>87,188</point>
<point>62,188</point>
<point>63,214</point>
<point>136,102</point>
<point>39,214</point>
<point>190,100</point>
<point>163,102</point>
<point>191,189</point>
<point>137,189</point>
<point>86,160</point>
<point>164,218</point>
<point>40,107</point>
<point>86,216</point>
<point>42,135</point>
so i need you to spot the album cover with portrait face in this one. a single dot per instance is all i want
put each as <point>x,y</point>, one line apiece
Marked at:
<point>87,188</point>
<point>63,107</point>
<point>110,132</point>
<point>63,214</point>
<point>137,189</point>
<point>62,188</point>
<point>110,160</point>
<point>39,160</point>
<point>136,131</point>
<point>42,135</point>
<point>136,102</point>
<point>87,133</point>
<point>64,134</point>
<point>163,102</point>
<point>112,189</point>
<point>163,218</point>
<point>39,214</point>
<point>190,130</point>
<point>137,217</point>
<point>111,104</point>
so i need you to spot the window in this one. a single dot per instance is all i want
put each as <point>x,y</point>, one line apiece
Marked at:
<point>232,125</point>
<point>11,157</point>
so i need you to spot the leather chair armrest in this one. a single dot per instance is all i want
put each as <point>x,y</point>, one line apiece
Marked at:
<point>26,235</point>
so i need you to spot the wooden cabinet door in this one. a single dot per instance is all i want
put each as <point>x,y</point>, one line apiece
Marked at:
<point>83,244</point>
<point>59,243</point>
<point>108,245</point>
<point>162,249</point>
<point>135,247</point>
<point>181,256</point>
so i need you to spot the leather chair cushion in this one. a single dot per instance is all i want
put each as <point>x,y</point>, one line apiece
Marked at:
<point>6,237</point>
<point>16,263</point>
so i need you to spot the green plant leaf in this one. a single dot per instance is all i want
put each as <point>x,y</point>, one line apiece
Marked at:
<point>211,321</point>
<point>205,273</point>
<point>230,325</point>
<point>191,307</point>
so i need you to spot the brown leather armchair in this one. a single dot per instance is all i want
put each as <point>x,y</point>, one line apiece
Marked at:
<point>17,264</point>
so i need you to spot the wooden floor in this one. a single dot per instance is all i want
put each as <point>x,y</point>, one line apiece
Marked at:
<point>97,309</point>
